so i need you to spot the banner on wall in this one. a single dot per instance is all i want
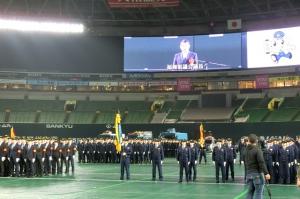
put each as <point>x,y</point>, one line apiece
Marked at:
<point>262,81</point>
<point>142,3</point>
<point>184,84</point>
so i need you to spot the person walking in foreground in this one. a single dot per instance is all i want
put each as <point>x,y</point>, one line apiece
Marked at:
<point>256,169</point>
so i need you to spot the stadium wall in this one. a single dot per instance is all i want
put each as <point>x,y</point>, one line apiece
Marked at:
<point>232,130</point>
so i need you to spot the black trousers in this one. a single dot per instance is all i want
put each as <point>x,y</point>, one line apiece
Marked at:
<point>102,157</point>
<point>47,166</point>
<point>5,167</point>
<point>89,156</point>
<point>230,164</point>
<point>39,166</point>
<point>284,173</point>
<point>192,170</point>
<point>55,165</point>
<point>30,168</point>
<point>14,167</point>
<point>271,171</point>
<point>113,157</point>
<point>80,157</point>
<point>157,163</point>
<point>220,166</point>
<point>70,161</point>
<point>183,165</point>
<point>141,158</point>
<point>22,166</point>
<point>63,162</point>
<point>125,165</point>
<point>108,157</point>
<point>202,155</point>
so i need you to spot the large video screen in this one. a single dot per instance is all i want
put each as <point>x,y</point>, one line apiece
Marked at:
<point>271,48</point>
<point>183,53</point>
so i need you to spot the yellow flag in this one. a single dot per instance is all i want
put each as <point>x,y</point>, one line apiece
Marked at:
<point>12,133</point>
<point>118,131</point>
<point>201,133</point>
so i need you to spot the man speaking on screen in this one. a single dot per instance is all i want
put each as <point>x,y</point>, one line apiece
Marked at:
<point>185,59</point>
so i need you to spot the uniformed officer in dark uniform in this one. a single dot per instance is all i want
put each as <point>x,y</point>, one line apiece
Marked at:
<point>147,152</point>
<point>219,160</point>
<point>48,157</point>
<point>23,160</point>
<point>126,151</point>
<point>31,158</point>
<point>241,149</point>
<point>80,147</point>
<point>17,150</point>
<point>293,159</point>
<point>183,158</point>
<point>157,158</point>
<point>268,157</point>
<point>141,151</point>
<point>230,159</point>
<point>71,151</point>
<point>4,154</point>
<point>102,146</point>
<point>40,158</point>
<point>284,156</point>
<point>56,158</point>
<point>276,148</point>
<point>193,163</point>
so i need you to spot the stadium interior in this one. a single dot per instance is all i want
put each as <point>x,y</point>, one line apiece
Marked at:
<point>68,67</point>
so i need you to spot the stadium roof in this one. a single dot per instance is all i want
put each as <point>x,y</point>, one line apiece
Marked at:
<point>97,13</point>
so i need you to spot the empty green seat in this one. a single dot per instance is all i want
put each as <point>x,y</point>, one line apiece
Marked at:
<point>81,117</point>
<point>52,117</point>
<point>22,117</point>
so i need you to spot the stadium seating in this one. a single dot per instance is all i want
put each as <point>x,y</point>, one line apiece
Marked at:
<point>32,105</point>
<point>105,117</point>
<point>81,117</point>
<point>255,115</point>
<point>282,115</point>
<point>174,109</point>
<point>138,117</point>
<point>103,112</point>
<point>291,102</point>
<point>257,110</point>
<point>207,114</point>
<point>2,117</point>
<point>257,103</point>
<point>22,117</point>
<point>112,105</point>
<point>52,117</point>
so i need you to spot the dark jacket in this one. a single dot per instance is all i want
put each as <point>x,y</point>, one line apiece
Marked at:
<point>184,154</point>
<point>194,153</point>
<point>17,151</point>
<point>4,149</point>
<point>219,155</point>
<point>230,153</point>
<point>157,153</point>
<point>31,152</point>
<point>126,151</point>
<point>254,160</point>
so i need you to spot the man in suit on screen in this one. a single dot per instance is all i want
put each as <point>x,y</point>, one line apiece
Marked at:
<point>185,57</point>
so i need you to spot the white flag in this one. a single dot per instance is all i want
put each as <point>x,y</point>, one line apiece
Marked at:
<point>234,24</point>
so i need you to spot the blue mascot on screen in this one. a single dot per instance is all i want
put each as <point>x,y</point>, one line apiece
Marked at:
<point>278,47</point>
